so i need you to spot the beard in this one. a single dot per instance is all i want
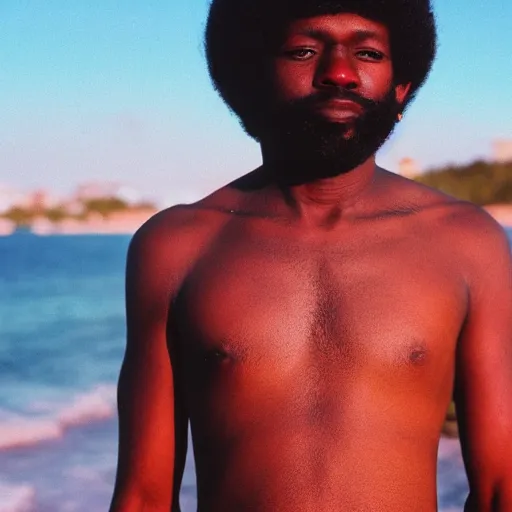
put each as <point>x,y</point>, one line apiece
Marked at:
<point>311,144</point>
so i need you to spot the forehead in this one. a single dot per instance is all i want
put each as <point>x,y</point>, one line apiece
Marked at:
<point>343,26</point>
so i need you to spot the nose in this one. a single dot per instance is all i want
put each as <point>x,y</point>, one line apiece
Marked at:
<point>337,70</point>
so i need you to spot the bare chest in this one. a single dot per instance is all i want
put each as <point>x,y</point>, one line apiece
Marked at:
<point>377,305</point>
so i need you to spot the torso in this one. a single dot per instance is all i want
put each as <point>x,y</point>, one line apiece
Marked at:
<point>317,366</point>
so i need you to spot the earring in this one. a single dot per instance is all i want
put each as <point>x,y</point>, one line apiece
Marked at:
<point>400,116</point>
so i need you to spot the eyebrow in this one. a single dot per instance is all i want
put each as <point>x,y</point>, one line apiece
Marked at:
<point>358,36</point>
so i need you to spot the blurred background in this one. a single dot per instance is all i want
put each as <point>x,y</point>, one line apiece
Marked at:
<point>108,116</point>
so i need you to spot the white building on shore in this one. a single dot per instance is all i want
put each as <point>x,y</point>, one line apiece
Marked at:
<point>7,227</point>
<point>10,198</point>
<point>502,151</point>
<point>409,168</point>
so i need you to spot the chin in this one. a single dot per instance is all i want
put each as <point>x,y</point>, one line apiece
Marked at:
<point>346,129</point>
<point>349,133</point>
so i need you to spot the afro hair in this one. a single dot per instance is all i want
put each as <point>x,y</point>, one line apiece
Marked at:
<point>240,33</point>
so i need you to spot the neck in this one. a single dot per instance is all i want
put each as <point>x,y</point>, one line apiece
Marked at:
<point>314,191</point>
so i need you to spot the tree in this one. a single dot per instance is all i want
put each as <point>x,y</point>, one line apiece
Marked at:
<point>105,205</point>
<point>481,182</point>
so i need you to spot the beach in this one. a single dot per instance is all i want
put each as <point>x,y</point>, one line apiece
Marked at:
<point>502,213</point>
<point>128,221</point>
<point>62,338</point>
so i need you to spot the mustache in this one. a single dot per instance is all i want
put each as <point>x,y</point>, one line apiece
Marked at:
<point>320,97</point>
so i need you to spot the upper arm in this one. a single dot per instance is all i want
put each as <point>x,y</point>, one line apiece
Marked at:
<point>483,387</point>
<point>152,429</point>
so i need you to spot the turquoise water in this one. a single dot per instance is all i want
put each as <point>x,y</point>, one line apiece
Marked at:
<point>62,338</point>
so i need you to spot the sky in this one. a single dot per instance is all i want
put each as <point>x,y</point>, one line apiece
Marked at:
<point>118,90</point>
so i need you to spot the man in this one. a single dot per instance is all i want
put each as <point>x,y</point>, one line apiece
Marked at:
<point>312,319</point>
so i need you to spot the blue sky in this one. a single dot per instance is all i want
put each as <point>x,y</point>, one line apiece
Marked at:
<point>118,90</point>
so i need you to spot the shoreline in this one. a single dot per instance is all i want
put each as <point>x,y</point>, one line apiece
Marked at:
<point>118,223</point>
<point>127,223</point>
<point>502,213</point>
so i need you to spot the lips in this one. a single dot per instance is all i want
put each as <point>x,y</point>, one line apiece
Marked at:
<point>339,110</point>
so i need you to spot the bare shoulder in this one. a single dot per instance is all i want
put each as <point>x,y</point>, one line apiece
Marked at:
<point>467,228</point>
<point>445,212</point>
<point>470,227</point>
<point>482,244</point>
<point>167,245</point>
<point>166,229</point>
<point>473,223</point>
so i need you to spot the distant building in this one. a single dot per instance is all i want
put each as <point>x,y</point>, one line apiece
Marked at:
<point>89,191</point>
<point>73,207</point>
<point>39,200</point>
<point>7,227</point>
<point>9,198</point>
<point>409,168</point>
<point>129,195</point>
<point>502,150</point>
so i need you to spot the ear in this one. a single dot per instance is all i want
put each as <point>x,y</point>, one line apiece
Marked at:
<point>401,92</point>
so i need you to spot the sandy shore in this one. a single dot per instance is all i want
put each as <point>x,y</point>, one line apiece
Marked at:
<point>129,221</point>
<point>502,213</point>
<point>122,223</point>
<point>7,227</point>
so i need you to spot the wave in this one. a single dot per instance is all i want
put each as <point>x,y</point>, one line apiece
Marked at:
<point>17,498</point>
<point>49,421</point>
<point>448,449</point>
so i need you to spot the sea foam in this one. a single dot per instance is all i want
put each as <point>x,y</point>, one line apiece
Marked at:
<point>17,498</point>
<point>49,420</point>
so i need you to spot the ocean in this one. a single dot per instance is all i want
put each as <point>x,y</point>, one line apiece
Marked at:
<point>62,337</point>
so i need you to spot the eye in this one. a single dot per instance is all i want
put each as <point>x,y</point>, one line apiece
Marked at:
<point>371,55</point>
<point>300,53</point>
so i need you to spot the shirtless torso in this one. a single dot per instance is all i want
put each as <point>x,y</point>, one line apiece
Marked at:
<point>315,358</point>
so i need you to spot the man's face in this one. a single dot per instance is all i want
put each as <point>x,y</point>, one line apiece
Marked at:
<point>332,89</point>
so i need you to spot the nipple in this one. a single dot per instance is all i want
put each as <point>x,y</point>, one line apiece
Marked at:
<point>418,356</point>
